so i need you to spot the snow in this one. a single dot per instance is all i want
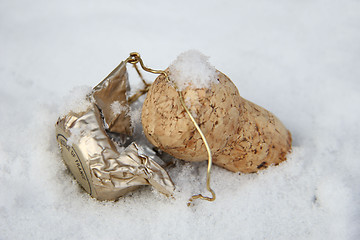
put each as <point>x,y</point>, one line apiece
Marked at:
<point>298,59</point>
<point>135,114</point>
<point>77,134</point>
<point>192,68</point>
<point>117,108</point>
<point>76,100</point>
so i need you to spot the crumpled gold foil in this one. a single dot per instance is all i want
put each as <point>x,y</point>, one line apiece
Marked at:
<point>105,170</point>
<point>112,90</point>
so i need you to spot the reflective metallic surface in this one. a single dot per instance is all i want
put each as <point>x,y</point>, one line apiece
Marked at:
<point>112,90</point>
<point>97,165</point>
<point>105,169</point>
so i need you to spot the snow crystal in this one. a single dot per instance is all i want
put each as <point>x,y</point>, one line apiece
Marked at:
<point>192,68</point>
<point>135,116</point>
<point>117,108</point>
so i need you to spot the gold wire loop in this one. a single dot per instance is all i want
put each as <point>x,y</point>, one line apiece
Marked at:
<point>135,58</point>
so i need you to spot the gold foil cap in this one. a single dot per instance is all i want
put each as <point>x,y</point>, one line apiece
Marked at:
<point>104,169</point>
<point>97,165</point>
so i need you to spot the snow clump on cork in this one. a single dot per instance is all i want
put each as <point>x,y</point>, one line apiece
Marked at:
<point>193,69</point>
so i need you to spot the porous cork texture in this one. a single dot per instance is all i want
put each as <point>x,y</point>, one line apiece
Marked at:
<point>262,140</point>
<point>242,136</point>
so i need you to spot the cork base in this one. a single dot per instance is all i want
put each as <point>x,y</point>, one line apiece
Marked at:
<point>242,136</point>
<point>262,141</point>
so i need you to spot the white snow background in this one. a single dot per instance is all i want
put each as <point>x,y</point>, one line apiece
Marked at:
<point>298,59</point>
